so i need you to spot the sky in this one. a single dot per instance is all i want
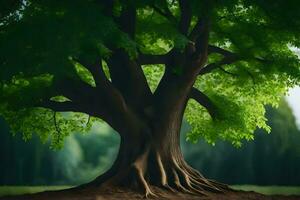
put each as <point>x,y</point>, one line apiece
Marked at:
<point>293,99</point>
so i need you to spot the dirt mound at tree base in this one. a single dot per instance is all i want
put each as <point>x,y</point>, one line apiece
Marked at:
<point>125,194</point>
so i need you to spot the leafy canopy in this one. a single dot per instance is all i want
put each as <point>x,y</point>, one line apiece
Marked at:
<point>40,41</point>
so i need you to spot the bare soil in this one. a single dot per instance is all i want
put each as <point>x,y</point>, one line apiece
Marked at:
<point>125,194</point>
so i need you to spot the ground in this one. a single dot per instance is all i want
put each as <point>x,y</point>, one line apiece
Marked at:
<point>119,193</point>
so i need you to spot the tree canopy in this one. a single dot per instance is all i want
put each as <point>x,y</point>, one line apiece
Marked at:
<point>47,48</point>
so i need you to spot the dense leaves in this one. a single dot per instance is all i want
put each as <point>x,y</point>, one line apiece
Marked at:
<point>41,42</point>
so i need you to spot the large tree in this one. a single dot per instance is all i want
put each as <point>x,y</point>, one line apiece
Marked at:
<point>141,66</point>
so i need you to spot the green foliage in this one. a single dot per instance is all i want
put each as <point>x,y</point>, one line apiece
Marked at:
<point>41,39</point>
<point>153,74</point>
<point>258,162</point>
<point>240,101</point>
<point>85,74</point>
<point>47,124</point>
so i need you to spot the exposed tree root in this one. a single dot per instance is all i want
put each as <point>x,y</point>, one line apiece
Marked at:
<point>156,170</point>
<point>174,176</point>
<point>145,185</point>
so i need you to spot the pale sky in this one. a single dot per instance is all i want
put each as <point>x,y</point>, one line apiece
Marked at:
<point>293,98</point>
<point>294,101</point>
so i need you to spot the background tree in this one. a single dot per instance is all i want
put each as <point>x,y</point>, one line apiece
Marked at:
<point>140,66</point>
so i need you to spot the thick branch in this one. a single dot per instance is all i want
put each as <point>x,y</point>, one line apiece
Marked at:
<point>104,101</point>
<point>128,77</point>
<point>127,19</point>
<point>197,30</point>
<point>147,59</point>
<point>204,100</point>
<point>108,106</point>
<point>84,98</point>
<point>66,106</point>
<point>100,110</point>
<point>201,43</point>
<point>128,80</point>
<point>186,16</point>
<point>105,88</point>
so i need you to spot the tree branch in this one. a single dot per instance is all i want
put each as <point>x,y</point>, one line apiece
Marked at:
<point>128,77</point>
<point>126,73</point>
<point>224,52</point>
<point>204,100</point>
<point>225,61</point>
<point>127,19</point>
<point>198,28</point>
<point>66,106</point>
<point>165,13</point>
<point>71,88</point>
<point>227,72</point>
<point>107,89</point>
<point>201,43</point>
<point>102,101</point>
<point>147,59</point>
<point>186,16</point>
<point>105,101</point>
<point>229,58</point>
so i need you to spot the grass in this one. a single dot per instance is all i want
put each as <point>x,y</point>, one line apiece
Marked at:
<point>268,190</point>
<point>18,190</point>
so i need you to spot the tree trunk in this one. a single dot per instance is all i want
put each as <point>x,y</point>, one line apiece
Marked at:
<point>152,157</point>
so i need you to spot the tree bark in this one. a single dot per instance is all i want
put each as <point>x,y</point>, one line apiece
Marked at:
<point>150,155</point>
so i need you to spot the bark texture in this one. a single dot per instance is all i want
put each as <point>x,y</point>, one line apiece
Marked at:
<point>147,161</point>
<point>150,153</point>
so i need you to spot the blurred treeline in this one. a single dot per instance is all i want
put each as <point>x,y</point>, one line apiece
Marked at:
<point>83,157</point>
<point>271,159</point>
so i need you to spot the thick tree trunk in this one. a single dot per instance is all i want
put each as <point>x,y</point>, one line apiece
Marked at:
<point>150,153</point>
<point>147,162</point>
<point>152,157</point>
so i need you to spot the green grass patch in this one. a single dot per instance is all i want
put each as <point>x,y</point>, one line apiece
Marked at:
<point>269,190</point>
<point>18,190</point>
